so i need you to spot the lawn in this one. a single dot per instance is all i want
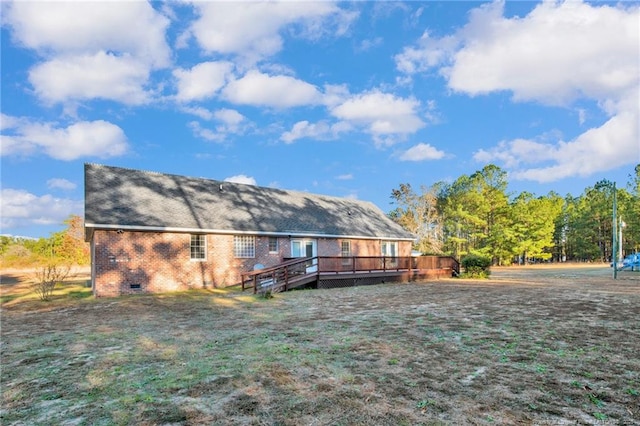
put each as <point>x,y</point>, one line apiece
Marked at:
<point>529,346</point>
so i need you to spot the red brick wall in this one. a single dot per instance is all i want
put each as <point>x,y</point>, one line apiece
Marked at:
<point>156,261</point>
<point>160,261</point>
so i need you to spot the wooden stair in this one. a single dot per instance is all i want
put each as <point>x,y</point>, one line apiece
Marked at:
<point>285,276</point>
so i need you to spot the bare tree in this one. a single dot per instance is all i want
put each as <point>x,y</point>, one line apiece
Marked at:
<point>47,277</point>
<point>418,214</point>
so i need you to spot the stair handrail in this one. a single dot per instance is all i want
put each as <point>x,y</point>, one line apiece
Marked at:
<point>252,275</point>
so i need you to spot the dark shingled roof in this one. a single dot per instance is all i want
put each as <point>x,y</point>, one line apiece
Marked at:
<point>133,199</point>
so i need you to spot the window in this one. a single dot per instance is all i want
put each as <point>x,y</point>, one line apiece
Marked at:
<point>273,244</point>
<point>389,248</point>
<point>345,251</point>
<point>198,247</point>
<point>244,246</point>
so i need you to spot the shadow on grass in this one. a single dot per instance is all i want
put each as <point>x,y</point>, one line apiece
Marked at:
<point>9,279</point>
<point>9,298</point>
<point>27,298</point>
<point>24,297</point>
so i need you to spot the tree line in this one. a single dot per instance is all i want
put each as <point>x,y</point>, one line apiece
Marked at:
<point>67,246</point>
<point>476,215</point>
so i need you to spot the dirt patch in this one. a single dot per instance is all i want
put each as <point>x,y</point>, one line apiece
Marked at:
<point>535,345</point>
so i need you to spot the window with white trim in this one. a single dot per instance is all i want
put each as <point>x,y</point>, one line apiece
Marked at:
<point>273,244</point>
<point>389,248</point>
<point>244,246</point>
<point>345,251</point>
<point>198,247</point>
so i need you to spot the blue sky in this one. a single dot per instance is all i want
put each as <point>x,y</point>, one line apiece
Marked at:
<point>345,99</point>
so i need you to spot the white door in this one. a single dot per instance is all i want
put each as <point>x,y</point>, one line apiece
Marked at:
<point>390,250</point>
<point>306,248</point>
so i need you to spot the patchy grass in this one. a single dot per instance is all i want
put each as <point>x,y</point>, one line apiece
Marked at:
<point>528,346</point>
<point>17,288</point>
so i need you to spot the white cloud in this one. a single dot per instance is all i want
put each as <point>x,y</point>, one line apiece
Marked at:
<point>91,49</point>
<point>9,122</point>
<point>202,81</point>
<point>353,195</point>
<point>384,115</point>
<point>231,120</point>
<point>200,112</point>
<point>304,129</point>
<point>22,208</point>
<point>99,76</point>
<point>369,44</point>
<point>427,54</point>
<point>612,145</point>
<point>252,29</point>
<point>380,114</point>
<point>204,133</point>
<point>58,183</point>
<point>279,91</point>
<point>335,94</point>
<point>82,27</point>
<point>346,176</point>
<point>247,180</point>
<point>230,117</point>
<point>559,53</point>
<point>321,130</point>
<point>82,139</point>
<point>422,152</point>
<point>516,152</point>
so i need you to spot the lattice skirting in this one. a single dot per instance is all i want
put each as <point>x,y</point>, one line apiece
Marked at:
<point>352,282</point>
<point>424,275</point>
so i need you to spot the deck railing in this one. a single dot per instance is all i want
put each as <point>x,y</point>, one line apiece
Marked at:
<point>337,264</point>
<point>295,269</point>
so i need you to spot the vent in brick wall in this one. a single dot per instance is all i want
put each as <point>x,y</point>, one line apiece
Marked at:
<point>135,286</point>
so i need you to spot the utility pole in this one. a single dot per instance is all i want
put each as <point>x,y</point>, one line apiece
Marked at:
<point>620,245</point>
<point>614,246</point>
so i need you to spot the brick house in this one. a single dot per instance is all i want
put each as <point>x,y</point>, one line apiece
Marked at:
<point>155,232</point>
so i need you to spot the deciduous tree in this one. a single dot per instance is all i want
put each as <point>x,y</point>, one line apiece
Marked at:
<point>418,213</point>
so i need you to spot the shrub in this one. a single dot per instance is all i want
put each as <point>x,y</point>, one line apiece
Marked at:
<point>47,277</point>
<point>18,256</point>
<point>476,266</point>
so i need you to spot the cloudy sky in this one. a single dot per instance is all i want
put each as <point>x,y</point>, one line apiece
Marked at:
<point>345,99</point>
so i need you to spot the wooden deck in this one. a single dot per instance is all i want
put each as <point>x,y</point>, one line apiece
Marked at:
<point>334,271</point>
